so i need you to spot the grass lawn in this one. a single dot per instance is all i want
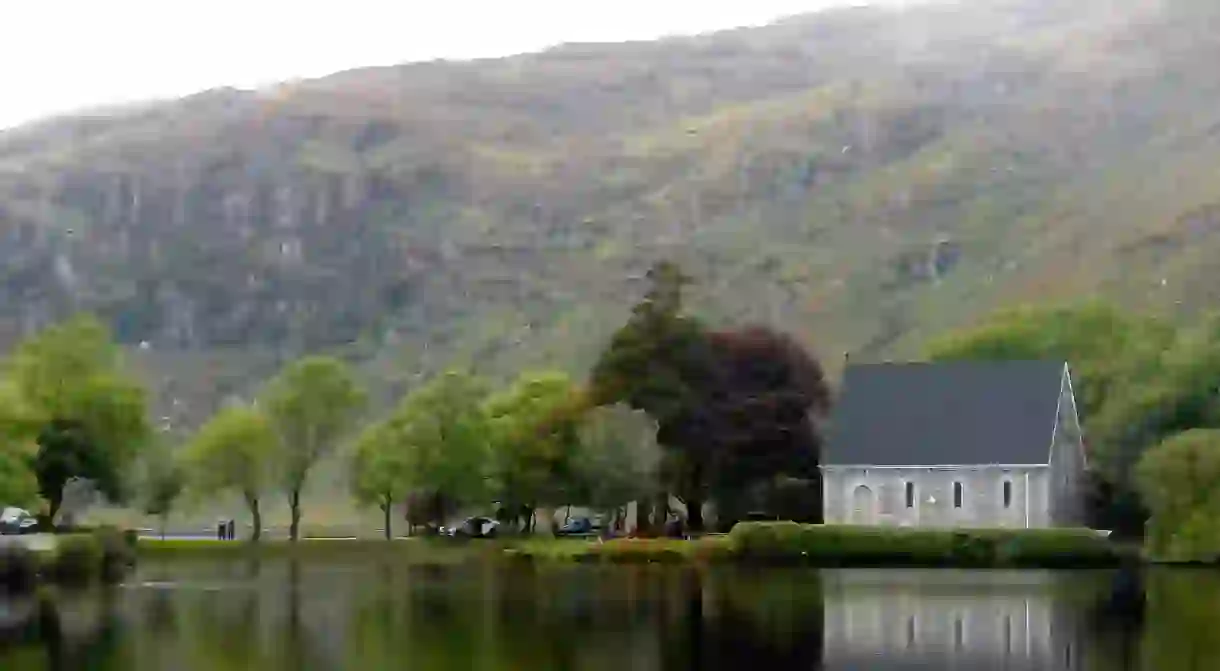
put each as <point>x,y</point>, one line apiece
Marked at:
<point>422,550</point>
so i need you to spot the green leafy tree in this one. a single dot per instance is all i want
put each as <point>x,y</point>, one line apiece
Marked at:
<point>442,434</point>
<point>1106,347</point>
<point>313,405</point>
<point>660,362</point>
<point>617,458</point>
<point>1180,483</point>
<point>237,450</point>
<point>18,430</point>
<point>92,416</point>
<point>656,360</point>
<point>534,436</point>
<point>380,470</point>
<point>164,482</point>
<point>1179,397</point>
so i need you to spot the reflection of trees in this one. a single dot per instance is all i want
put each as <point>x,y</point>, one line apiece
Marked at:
<point>742,620</point>
<point>83,633</point>
<point>221,630</point>
<point>1183,620</point>
<point>1114,623</point>
<point>487,617</point>
<point>383,614</point>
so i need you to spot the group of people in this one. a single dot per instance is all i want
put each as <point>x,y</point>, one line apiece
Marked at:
<point>226,530</point>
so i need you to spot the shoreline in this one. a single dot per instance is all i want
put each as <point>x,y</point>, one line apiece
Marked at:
<point>754,543</point>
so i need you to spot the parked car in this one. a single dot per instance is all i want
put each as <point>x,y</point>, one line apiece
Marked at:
<point>576,526</point>
<point>15,521</point>
<point>472,527</point>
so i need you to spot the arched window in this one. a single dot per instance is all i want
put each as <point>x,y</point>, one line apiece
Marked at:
<point>1008,493</point>
<point>910,494</point>
<point>957,495</point>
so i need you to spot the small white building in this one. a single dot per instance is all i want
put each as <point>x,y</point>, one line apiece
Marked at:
<point>958,444</point>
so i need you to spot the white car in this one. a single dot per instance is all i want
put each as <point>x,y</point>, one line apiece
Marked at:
<point>14,521</point>
<point>472,527</point>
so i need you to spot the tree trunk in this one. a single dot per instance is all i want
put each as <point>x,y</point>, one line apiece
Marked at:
<point>53,505</point>
<point>257,519</point>
<point>163,520</point>
<point>660,513</point>
<point>294,505</point>
<point>385,509</point>
<point>694,514</point>
<point>567,514</point>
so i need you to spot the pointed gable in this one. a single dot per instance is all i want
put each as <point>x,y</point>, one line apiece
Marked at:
<point>950,414</point>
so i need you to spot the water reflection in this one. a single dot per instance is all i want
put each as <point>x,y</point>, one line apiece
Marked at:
<point>377,614</point>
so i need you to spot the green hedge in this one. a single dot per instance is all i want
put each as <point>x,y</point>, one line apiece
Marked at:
<point>825,545</point>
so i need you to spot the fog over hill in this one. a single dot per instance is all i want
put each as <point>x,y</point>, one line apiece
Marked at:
<point>865,178</point>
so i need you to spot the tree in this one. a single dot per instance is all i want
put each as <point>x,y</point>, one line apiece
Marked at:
<point>1180,483</point>
<point>764,408</point>
<point>313,404</point>
<point>1105,346</point>
<point>655,361</point>
<point>442,434</point>
<point>236,450</point>
<point>18,430</point>
<point>164,481</point>
<point>734,408</point>
<point>617,458</point>
<point>533,438</point>
<point>380,471</point>
<point>658,362</point>
<point>92,417</point>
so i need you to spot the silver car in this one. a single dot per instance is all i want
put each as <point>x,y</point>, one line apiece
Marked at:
<point>14,521</point>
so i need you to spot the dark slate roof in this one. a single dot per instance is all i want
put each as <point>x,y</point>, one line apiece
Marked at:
<point>954,413</point>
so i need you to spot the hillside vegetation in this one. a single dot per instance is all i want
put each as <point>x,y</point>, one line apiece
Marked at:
<point>864,178</point>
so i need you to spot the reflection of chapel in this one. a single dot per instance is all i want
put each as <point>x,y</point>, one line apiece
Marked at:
<point>887,619</point>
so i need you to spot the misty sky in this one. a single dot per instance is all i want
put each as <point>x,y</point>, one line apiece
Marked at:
<point>60,55</point>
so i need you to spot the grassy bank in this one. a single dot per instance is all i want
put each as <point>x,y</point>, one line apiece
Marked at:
<point>74,559</point>
<point>749,543</point>
<point>415,550</point>
<point>843,546</point>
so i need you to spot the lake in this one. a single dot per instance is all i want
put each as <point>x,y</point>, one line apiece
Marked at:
<point>277,614</point>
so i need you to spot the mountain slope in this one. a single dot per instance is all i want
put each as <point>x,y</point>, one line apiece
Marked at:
<point>867,178</point>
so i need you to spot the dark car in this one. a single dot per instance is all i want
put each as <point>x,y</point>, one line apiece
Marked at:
<point>15,521</point>
<point>472,527</point>
<point>576,526</point>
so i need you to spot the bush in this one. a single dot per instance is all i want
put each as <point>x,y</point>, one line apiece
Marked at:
<point>78,559</point>
<point>18,568</point>
<point>828,545</point>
